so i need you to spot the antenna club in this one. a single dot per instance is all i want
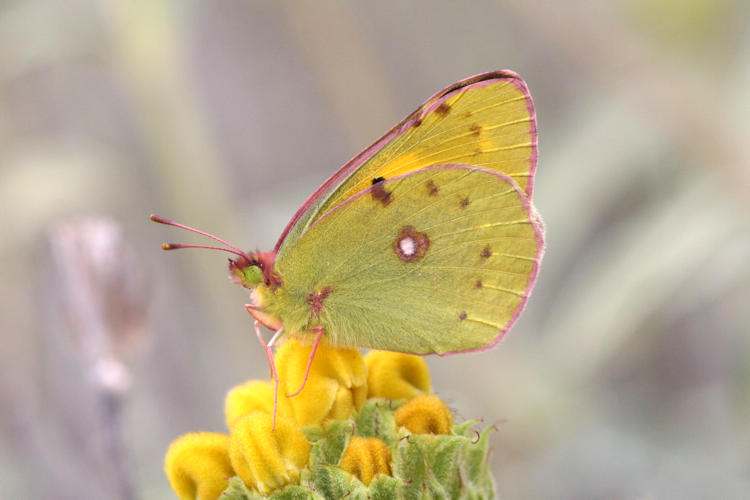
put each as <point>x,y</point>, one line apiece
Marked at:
<point>167,246</point>
<point>160,220</point>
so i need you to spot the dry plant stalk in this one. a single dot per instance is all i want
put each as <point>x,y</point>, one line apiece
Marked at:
<point>103,301</point>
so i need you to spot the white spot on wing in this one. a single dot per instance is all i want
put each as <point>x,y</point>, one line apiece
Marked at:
<point>408,246</point>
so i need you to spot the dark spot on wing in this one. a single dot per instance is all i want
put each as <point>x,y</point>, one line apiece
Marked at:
<point>417,122</point>
<point>478,284</point>
<point>410,245</point>
<point>443,110</point>
<point>476,130</point>
<point>465,202</point>
<point>486,252</point>
<point>316,300</point>
<point>379,192</point>
<point>432,189</point>
<point>462,316</point>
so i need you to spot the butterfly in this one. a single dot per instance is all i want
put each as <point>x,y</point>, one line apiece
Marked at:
<point>426,242</point>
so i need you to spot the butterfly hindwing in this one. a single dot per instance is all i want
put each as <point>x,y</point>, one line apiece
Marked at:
<point>439,260</point>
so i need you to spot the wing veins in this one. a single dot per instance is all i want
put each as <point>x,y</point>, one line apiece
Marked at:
<point>452,292</point>
<point>401,151</point>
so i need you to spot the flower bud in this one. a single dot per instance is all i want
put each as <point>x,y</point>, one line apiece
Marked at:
<point>365,457</point>
<point>425,415</point>
<point>394,375</point>
<point>197,465</point>
<point>253,395</point>
<point>267,458</point>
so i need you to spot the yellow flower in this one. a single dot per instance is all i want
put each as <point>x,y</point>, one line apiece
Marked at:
<point>197,465</point>
<point>395,375</point>
<point>267,458</point>
<point>366,457</point>
<point>336,386</point>
<point>425,415</point>
<point>253,395</point>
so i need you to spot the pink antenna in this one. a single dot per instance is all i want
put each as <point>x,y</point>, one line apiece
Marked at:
<point>176,246</point>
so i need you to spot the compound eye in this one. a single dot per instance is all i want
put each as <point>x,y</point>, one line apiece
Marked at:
<point>253,274</point>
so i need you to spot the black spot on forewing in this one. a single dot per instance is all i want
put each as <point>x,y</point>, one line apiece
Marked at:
<point>379,192</point>
<point>486,252</point>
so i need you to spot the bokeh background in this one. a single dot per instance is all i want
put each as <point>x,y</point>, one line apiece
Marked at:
<point>627,377</point>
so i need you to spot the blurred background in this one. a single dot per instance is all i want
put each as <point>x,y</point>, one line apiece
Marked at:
<point>627,377</point>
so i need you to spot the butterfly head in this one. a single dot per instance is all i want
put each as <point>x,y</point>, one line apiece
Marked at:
<point>254,270</point>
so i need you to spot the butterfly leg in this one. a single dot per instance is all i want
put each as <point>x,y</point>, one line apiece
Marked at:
<point>318,338</point>
<point>268,350</point>
<point>259,316</point>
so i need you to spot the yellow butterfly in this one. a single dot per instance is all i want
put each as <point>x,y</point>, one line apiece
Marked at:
<point>426,242</point>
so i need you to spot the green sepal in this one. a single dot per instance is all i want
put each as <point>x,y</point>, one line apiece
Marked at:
<point>475,465</point>
<point>443,456</point>
<point>385,488</point>
<point>328,443</point>
<point>466,429</point>
<point>238,491</point>
<point>332,482</point>
<point>375,419</point>
<point>409,466</point>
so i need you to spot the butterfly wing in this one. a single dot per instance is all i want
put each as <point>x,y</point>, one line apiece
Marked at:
<point>487,121</point>
<point>434,261</point>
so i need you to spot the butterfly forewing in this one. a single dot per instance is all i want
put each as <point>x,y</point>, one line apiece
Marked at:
<point>486,121</point>
<point>438,260</point>
<point>487,125</point>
